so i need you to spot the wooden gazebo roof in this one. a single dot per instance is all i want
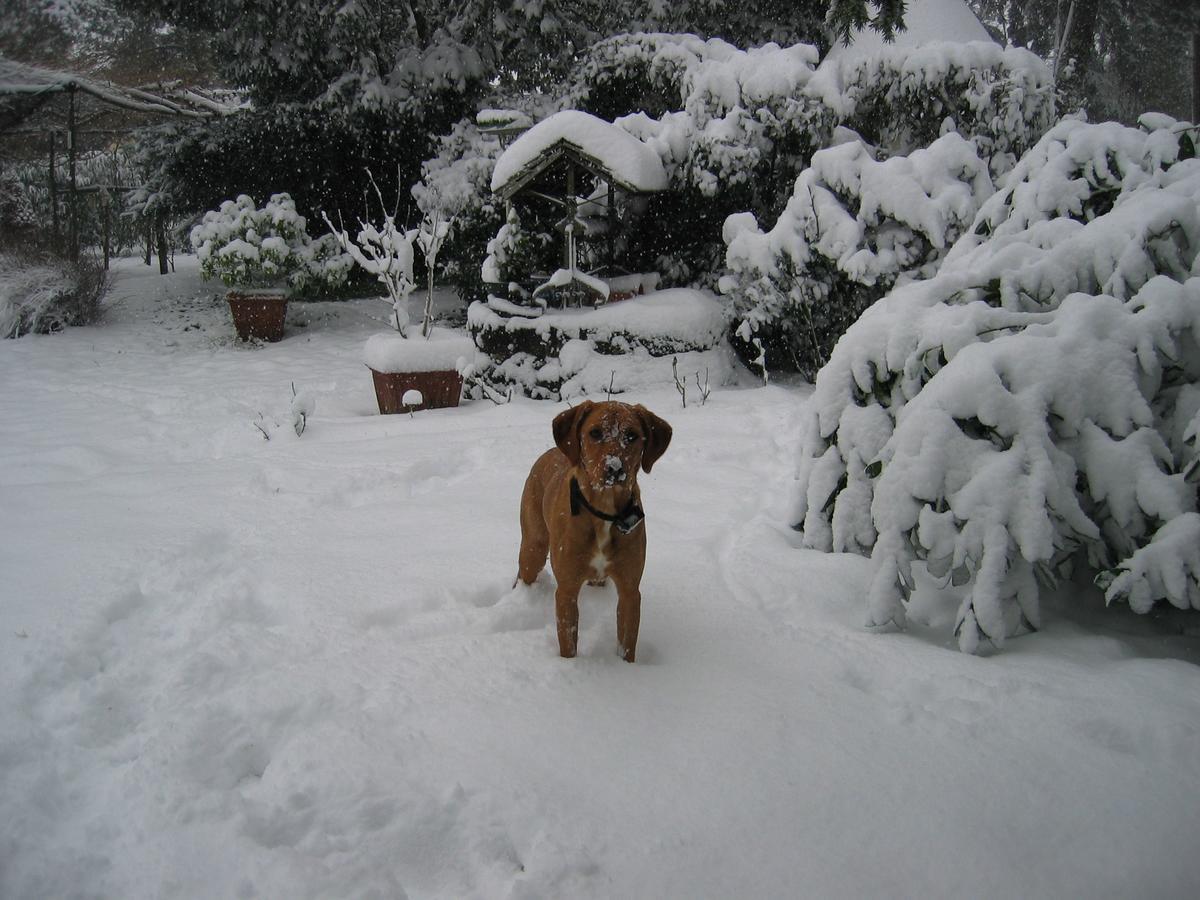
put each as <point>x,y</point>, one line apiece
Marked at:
<point>577,138</point>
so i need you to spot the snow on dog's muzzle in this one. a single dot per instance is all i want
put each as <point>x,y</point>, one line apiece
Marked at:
<point>614,470</point>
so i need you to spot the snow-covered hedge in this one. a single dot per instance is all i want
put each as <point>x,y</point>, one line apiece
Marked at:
<point>242,244</point>
<point>853,226</point>
<point>565,353</point>
<point>1036,404</point>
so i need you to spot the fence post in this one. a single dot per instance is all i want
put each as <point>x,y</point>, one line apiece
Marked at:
<point>104,198</point>
<point>72,196</point>
<point>1196,77</point>
<point>54,238</point>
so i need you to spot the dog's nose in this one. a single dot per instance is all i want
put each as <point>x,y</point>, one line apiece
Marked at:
<point>613,467</point>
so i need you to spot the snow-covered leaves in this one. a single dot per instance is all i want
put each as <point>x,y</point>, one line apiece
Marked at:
<point>1033,405</point>
<point>242,244</point>
<point>715,114</point>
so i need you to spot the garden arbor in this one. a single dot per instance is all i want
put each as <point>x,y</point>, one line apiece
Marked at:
<point>584,175</point>
<point>65,118</point>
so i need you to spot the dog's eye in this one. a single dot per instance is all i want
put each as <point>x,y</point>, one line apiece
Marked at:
<point>596,434</point>
<point>631,436</point>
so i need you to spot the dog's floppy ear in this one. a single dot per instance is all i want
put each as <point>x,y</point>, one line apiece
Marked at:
<point>566,429</point>
<point>658,436</point>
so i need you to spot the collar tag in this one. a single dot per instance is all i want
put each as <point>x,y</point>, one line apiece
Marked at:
<point>626,519</point>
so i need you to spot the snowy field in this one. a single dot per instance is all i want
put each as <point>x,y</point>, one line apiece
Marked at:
<point>237,667</point>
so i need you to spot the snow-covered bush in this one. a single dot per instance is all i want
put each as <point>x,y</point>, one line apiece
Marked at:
<point>17,217</point>
<point>1036,404</point>
<point>854,225</point>
<point>904,98</point>
<point>242,244</point>
<point>41,293</point>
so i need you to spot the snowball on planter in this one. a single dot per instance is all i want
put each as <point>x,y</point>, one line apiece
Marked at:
<point>432,367</point>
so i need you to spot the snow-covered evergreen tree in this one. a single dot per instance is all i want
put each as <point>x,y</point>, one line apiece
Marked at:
<point>1034,405</point>
<point>854,225</point>
<point>929,125</point>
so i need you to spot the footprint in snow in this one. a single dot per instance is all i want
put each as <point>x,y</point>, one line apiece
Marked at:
<point>523,608</point>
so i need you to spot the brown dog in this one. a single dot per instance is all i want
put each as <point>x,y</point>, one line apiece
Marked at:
<point>581,505</point>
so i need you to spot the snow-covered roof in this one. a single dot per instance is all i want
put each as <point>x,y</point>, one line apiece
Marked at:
<point>924,20</point>
<point>618,155</point>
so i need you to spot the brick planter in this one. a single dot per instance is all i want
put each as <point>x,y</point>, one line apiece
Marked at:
<point>438,389</point>
<point>258,314</point>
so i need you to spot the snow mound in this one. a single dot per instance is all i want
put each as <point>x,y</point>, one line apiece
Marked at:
<point>443,351</point>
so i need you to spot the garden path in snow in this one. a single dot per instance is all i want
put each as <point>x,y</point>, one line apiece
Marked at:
<point>295,667</point>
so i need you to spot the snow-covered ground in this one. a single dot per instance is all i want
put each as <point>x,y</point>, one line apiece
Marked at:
<point>237,667</point>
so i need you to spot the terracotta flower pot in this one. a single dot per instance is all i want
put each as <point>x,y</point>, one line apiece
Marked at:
<point>258,313</point>
<point>438,389</point>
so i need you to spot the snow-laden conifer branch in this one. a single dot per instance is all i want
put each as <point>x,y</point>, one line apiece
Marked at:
<point>1034,406</point>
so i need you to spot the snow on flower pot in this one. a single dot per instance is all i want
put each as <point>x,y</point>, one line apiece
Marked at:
<point>433,368</point>
<point>258,313</point>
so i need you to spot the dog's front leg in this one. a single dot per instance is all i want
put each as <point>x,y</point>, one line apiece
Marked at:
<point>566,610</point>
<point>629,616</point>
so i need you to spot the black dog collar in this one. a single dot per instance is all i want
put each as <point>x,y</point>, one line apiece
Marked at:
<point>626,520</point>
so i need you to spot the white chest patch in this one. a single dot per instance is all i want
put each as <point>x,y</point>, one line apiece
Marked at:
<point>599,561</point>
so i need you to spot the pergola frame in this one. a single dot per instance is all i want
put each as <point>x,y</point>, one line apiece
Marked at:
<point>41,86</point>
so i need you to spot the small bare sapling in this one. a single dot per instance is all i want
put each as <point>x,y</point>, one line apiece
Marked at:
<point>304,404</point>
<point>703,386</point>
<point>680,383</point>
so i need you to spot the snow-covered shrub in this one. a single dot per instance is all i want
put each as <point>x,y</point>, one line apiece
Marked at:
<point>17,218</point>
<point>516,251</point>
<point>854,225</point>
<point>901,99</point>
<point>41,293</point>
<point>1034,406</point>
<point>458,179</point>
<point>386,251</point>
<point>733,129</point>
<point>242,244</point>
<point>631,73</point>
